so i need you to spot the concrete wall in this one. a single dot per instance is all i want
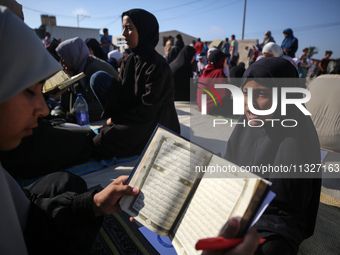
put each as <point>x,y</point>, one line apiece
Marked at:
<point>241,49</point>
<point>65,33</point>
<point>187,39</point>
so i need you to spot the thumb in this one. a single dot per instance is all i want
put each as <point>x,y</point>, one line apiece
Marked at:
<point>231,229</point>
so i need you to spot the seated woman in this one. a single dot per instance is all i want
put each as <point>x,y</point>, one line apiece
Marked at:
<point>57,214</point>
<point>291,216</point>
<point>75,58</point>
<point>182,71</point>
<point>214,74</point>
<point>143,95</point>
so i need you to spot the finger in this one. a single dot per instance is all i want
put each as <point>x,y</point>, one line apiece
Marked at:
<point>108,122</point>
<point>121,190</point>
<point>231,229</point>
<point>249,244</point>
<point>132,219</point>
<point>121,179</point>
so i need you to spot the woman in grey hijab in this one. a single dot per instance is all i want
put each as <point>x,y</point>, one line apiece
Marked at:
<point>75,58</point>
<point>58,208</point>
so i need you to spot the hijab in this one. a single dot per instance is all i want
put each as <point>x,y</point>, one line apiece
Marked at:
<point>183,60</point>
<point>268,39</point>
<point>179,42</point>
<point>292,213</point>
<point>289,40</point>
<point>74,51</point>
<point>273,48</point>
<point>147,27</point>
<point>213,74</point>
<point>94,45</point>
<point>182,71</point>
<point>18,74</point>
<point>215,66</point>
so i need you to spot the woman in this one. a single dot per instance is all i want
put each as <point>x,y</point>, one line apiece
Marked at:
<point>143,95</point>
<point>290,218</point>
<point>290,43</point>
<point>182,72</point>
<point>75,58</point>
<point>57,214</point>
<point>179,45</point>
<point>95,48</point>
<point>267,39</point>
<point>214,74</point>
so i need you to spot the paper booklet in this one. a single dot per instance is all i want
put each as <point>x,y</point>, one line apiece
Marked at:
<point>179,201</point>
<point>60,81</point>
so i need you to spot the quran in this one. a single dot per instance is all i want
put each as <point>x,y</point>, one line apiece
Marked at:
<point>59,82</point>
<point>179,198</point>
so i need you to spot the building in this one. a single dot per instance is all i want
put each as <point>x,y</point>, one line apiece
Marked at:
<point>49,24</point>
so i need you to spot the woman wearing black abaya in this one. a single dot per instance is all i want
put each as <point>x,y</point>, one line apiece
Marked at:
<point>181,69</point>
<point>290,218</point>
<point>144,94</point>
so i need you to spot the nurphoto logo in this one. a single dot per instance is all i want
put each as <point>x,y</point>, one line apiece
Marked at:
<point>239,103</point>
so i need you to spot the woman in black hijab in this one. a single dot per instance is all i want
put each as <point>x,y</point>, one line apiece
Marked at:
<point>142,97</point>
<point>95,48</point>
<point>179,45</point>
<point>181,69</point>
<point>291,216</point>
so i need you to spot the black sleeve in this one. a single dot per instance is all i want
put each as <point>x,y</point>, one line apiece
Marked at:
<point>61,218</point>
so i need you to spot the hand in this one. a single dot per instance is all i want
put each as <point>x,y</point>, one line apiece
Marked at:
<point>247,247</point>
<point>59,93</point>
<point>108,122</point>
<point>106,201</point>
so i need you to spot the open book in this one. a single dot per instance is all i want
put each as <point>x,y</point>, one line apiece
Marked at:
<point>181,198</point>
<point>60,81</point>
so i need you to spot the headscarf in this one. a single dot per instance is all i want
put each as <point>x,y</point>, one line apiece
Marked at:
<point>213,74</point>
<point>18,73</point>
<point>75,52</point>
<point>96,48</point>
<point>182,71</point>
<point>179,42</point>
<point>214,69</point>
<point>183,60</point>
<point>147,27</point>
<point>289,40</point>
<point>268,39</point>
<point>273,48</point>
<point>116,54</point>
<point>294,209</point>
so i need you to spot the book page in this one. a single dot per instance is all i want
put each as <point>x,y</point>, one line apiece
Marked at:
<point>165,178</point>
<point>215,201</point>
<point>54,81</point>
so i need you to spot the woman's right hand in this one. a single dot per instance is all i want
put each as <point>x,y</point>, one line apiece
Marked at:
<point>247,247</point>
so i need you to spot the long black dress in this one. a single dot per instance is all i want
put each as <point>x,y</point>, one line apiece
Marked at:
<point>292,214</point>
<point>143,96</point>
<point>182,72</point>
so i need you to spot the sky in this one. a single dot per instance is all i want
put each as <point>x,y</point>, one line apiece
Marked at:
<point>314,22</point>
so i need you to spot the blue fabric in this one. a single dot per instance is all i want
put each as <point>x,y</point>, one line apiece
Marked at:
<point>85,168</point>
<point>288,42</point>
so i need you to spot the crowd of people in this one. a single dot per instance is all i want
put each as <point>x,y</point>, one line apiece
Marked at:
<point>133,93</point>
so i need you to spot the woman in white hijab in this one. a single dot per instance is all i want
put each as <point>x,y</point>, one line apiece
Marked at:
<point>271,49</point>
<point>21,103</point>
